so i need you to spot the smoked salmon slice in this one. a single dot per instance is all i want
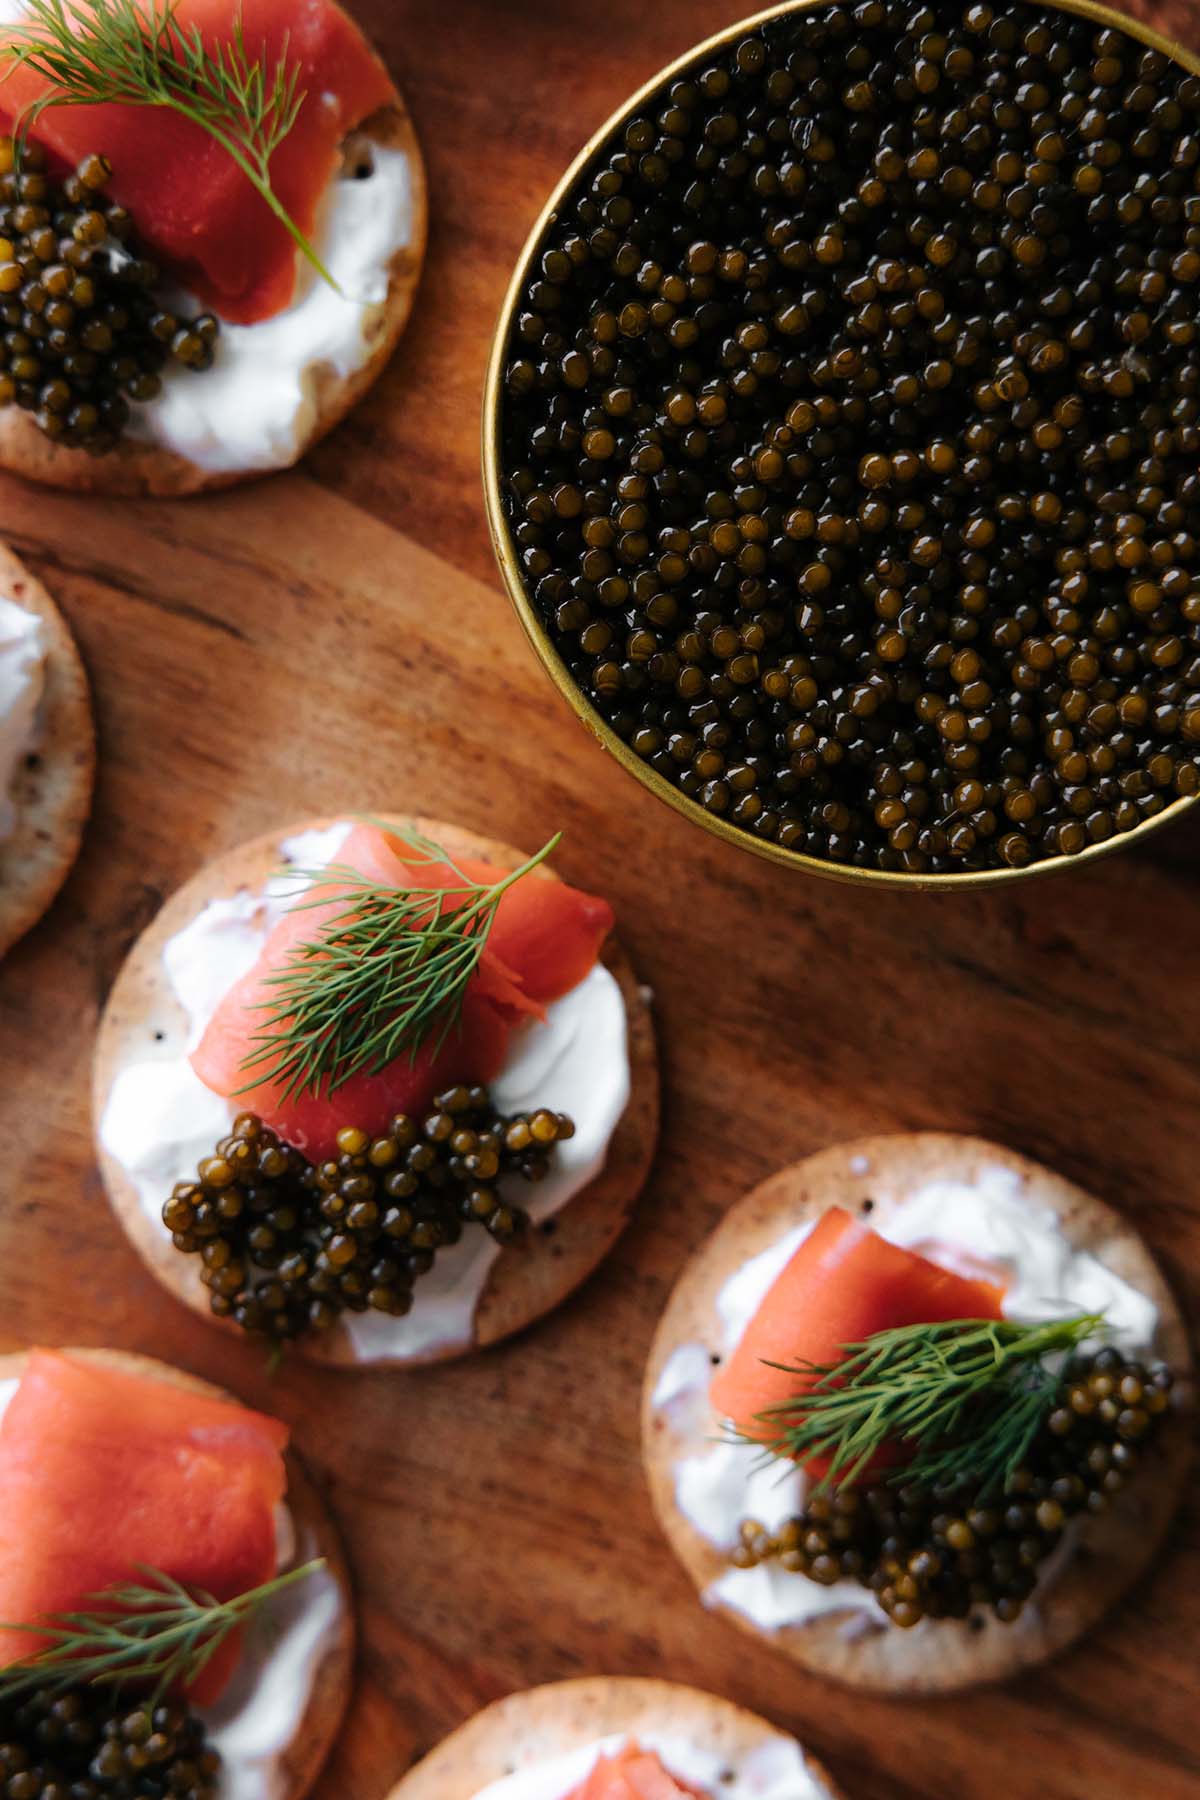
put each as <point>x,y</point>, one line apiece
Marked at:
<point>844,1283</point>
<point>547,933</point>
<point>193,208</point>
<point>633,1774</point>
<point>103,1471</point>
<point>545,938</point>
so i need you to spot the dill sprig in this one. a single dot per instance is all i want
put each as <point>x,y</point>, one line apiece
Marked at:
<point>153,1632</point>
<point>136,52</point>
<point>963,1400</point>
<point>386,972</point>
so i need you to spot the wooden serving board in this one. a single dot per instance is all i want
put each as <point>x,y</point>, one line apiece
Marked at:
<point>337,638</point>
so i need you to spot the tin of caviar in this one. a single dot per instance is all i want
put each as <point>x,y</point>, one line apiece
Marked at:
<point>633,599</point>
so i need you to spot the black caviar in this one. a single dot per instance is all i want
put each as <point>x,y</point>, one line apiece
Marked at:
<point>288,1245</point>
<point>82,332</point>
<point>87,1744</point>
<point>940,1552</point>
<point>851,426</point>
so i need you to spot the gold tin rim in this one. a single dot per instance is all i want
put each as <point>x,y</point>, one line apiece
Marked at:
<point>539,636</point>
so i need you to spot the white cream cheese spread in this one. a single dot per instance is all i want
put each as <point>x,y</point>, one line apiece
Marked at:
<point>256,407</point>
<point>160,1119</point>
<point>992,1225</point>
<point>773,1770</point>
<point>263,1707</point>
<point>261,1710</point>
<point>22,683</point>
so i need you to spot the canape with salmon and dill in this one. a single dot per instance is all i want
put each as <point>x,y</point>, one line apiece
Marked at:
<point>386,1090</point>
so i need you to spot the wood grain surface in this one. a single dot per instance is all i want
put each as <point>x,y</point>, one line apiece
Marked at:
<point>336,638</point>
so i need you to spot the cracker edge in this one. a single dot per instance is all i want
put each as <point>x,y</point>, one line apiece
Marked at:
<point>53,792</point>
<point>565,1715</point>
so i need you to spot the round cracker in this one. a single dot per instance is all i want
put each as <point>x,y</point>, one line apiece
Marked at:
<point>52,790</point>
<point>550,1721</point>
<point>869,1177</point>
<point>301,1759</point>
<point>139,470</point>
<point>527,1280</point>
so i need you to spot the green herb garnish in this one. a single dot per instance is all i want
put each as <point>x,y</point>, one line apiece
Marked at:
<point>158,1632</point>
<point>136,52</point>
<point>967,1398</point>
<point>387,972</point>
